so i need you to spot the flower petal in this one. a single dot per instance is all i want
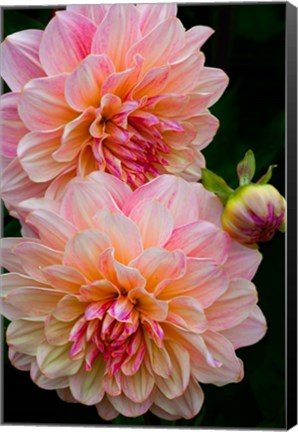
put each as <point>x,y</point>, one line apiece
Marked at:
<point>148,305</point>
<point>95,12</point>
<point>83,86</point>
<point>154,14</point>
<point>249,331</point>
<point>53,230</point>
<point>20,58</point>
<point>66,42</point>
<point>57,332</point>
<point>128,408</point>
<point>154,221</point>
<point>139,386</point>
<point>83,250</point>
<point>105,409</point>
<point>55,362</point>
<point>187,313</point>
<point>43,382</point>
<point>123,20</point>
<point>158,265</point>
<point>24,335</point>
<point>35,151</point>
<point>242,261</point>
<point>86,385</point>
<point>42,104</point>
<point>172,192</point>
<point>20,361</point>
<point>12,129</point>
<point>203,280</point>
<point>64,278</point>
<point>122,232</point>
<point>233,306</point>
<point>68,309</point>
<point>201,240</point>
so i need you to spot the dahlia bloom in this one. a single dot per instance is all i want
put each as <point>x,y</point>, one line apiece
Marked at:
<point>127,300</point>
<point>254,213</point>
<point>120,88</point>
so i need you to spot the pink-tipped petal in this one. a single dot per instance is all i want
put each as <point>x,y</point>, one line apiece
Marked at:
<point>154,14</point>
<point>19,360</point>
<point>35,151</point>
<point>20,58</point>
<point>201,240</point>
<point>43,106</point>
<point>66,42</point>
<point>12,129</point>
<point>122,232</point>
<point>95,13</point>
<point>123,21</point>
<point>83,86</point>
<point>249,331</point>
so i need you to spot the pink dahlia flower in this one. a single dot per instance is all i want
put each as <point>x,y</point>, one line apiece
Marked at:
<point>120,88</point>
<point>127,300</point>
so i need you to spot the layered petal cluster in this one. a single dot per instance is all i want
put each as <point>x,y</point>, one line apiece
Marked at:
<point>127,300</point>
<point>121,89</point>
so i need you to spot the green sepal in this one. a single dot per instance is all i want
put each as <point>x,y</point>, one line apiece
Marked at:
<point>282,228</point>
<point>216,184</point>
<point>246,168</point>
<point>266,177</point>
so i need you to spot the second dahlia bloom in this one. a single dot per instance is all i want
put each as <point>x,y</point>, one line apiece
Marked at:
<point>120,88</point>
<point>128,300</point>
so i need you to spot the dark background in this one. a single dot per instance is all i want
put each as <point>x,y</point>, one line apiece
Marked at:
<point>249,45</point>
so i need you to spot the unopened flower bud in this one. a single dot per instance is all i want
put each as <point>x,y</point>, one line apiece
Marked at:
<point>254,212</point>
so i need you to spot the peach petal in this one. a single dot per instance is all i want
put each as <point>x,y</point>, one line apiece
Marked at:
<point>210,207</point>
<point>249,331</point>
<point>82,199</point>
<point>158,265</point>
<point>154,221</point>
<point>194,39</point>
<point>9,260</point>
<point>206,126</point>
<point>139,386</point>
<point>83,86</point>
<point>119,190</point>
<point>159,359</point>
<point>34,301</point>
<point>158,45</point>
<point>187,313</point>
<point>147,304</point>
<point>68,309</point>
<point>154,14</point>
<point>54,362</point>
<point>242,261</point>
<point>66,41</point>
<point>128,278</point>
<point>105,410</point>
<point>75,136</point>
<point>65,395</point>
<point>57,332</point>
<point>233,307</point>
<point>64,278</point>
<point>54,231</point>
<point>201,240</point>
<point>98,290</point>
<point>24,335</point>
<point>34,256</point>
<point>43,106</point>
<point>19,360</point>
<point>203,280</point>
<point>17,186</point>
<point>221,349</point>
<point>12,281</point>
<point>55,190</point>
<point>45,383</point>
<point>187,405</point>
<point>176,384</point>
<point>83,250</point>
<point>86,386</point>
<point>20,58</point>
<point>12,128</point>
<point>173,193</point>
<point>122,232</point>
<point>213,81</point>
<point>124,22</point>
<point>86,162</point>
<point>153,83</point>
<point>161,413</point>
<point>129,408</point>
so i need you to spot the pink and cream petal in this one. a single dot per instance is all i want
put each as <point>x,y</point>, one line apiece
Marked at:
<point>158,265</point>
<point>68,309</point>
<point>19,360</point>
<point>123,21</point>
<point>66,42</point>
<point>83,250</point>
<point>201,240</point>
<point>139,386</point>
<point>54,362</point>
<point>46,383</point>
<point>24,335</point>
<point>12,129</point>
<point>86,386</point>
<point>64,278</point>
<point>95,13</point>
<point>249,331</point>
<point>148,305</point>
<point>128,408</point>
<point>154,221</point>
<point>187,313</point>
<point>154,14</point>
<point>105,409</point>
<point>233,306</point>
<point>122,232</point>
<point>242,261</point>
<point>20,58</point>
<point>57,332</point>
<point>83,86</point>
<point>65,395</point>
